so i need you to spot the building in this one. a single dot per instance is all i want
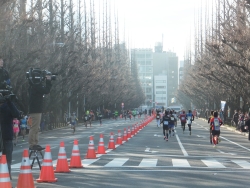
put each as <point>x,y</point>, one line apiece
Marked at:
<point>143,58</point>
<point>166,63</point>
<point>160,91</point>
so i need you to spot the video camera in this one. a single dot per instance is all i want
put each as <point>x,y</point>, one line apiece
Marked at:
<point>36,76</point>
<point>7,94</point>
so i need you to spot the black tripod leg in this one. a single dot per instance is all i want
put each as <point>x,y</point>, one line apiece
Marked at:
<point>38,162</point>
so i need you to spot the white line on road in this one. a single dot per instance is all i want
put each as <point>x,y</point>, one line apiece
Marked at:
<point>181,146</point>
<point>213,163</point>
<point>180,163</point>
<point>116,162</point>
<point>235,143</point>
<point>242,163</point>
<point>148,163</point>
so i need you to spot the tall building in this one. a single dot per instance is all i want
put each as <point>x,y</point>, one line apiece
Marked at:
<point>181,68</point>
<point>143,58</point>
<point>160,90</point>
<point>166,63</point>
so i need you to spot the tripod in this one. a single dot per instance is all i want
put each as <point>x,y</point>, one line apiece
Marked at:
<point>35,157</point>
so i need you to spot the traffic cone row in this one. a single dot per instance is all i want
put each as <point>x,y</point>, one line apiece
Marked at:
<point>25,179</point>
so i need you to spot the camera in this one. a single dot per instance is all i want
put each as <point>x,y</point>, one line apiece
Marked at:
<point>36,75</point>
<point>6,92</point>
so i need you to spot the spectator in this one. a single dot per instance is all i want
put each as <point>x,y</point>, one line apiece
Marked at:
<point>8,111</point>
<point>236,119</point>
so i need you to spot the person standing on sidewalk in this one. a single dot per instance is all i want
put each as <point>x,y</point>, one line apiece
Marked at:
<point>236,119</point>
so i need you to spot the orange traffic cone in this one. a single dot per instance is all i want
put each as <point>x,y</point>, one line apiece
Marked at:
<point>119,138</point>
<point>133,130</point>
<point>91,149</point>
<point>62,162</point>
<point>125,138</point>
<point>129,133</point>
<point>75,161</point>
<point>111,141</point>
<point>101,147</point>
<point>25,178</point>
<point>47,171</point>
<point>4,173</point>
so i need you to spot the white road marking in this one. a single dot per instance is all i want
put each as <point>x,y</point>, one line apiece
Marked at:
<point>87,162</point>
<point>242,163</point>
<point>220,151</point>
<point>148,163</point>
<point>117,162</point>
<point>181,146</point>
<point>213,163</point>
<point>235,143</point>
<point>180,163</point>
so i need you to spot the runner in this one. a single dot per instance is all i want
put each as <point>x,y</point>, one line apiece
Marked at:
<point>158,121</point>
<point>183,120</point>
<point>165,121</point>
<point>190,118</point>
<point>215,124</point>
<point>210,128</point>
<point>171,123</point>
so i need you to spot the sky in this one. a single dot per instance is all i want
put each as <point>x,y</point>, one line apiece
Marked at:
<point>149,21</point>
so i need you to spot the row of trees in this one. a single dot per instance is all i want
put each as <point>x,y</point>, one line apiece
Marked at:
<point>74,40</point>
<point>219,70</point>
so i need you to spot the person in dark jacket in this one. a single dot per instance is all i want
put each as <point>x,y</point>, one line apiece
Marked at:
<point>36,91</point>
<point>8,111</point>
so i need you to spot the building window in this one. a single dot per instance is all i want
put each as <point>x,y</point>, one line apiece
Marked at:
<point>149,96</point>
<point>148,55</point>
<point>160,81</point>
<point>148,90</point>
<point>160,92</point>
<point>149,69</point>
<point>160,87</point>
<point>160,98</point>
<point>148,63</point>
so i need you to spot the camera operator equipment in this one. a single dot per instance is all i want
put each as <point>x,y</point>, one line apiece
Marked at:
<point>40,84</point>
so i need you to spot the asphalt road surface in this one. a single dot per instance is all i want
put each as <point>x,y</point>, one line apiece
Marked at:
<point>147,160</point>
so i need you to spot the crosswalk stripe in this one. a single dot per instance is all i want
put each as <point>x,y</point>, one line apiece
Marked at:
<point>213,163</point>
<point>87,162</point>
<point>242,163</point>
<point>180,163</point>
<point>117,162</point>
<point>148,163</point>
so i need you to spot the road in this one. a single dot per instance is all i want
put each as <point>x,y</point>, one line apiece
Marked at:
<point>146,160</point>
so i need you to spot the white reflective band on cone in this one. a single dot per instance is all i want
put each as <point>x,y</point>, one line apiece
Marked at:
<point>91,147</point>
<point>91,142</point>
<point>3,180</point>
<point>4,169</point>
<point>62,157</point>
<point>47,164</point>
<point>101,144</point>
<point>25,161</point>
<point>75,147</point>
<point>101,139</point>
<point>75,154</point>
<point>61,150</point>
<point>47,156</point>
<point>27,171</point>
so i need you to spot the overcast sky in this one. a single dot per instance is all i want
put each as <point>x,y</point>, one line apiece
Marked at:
<point>147,20</point>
